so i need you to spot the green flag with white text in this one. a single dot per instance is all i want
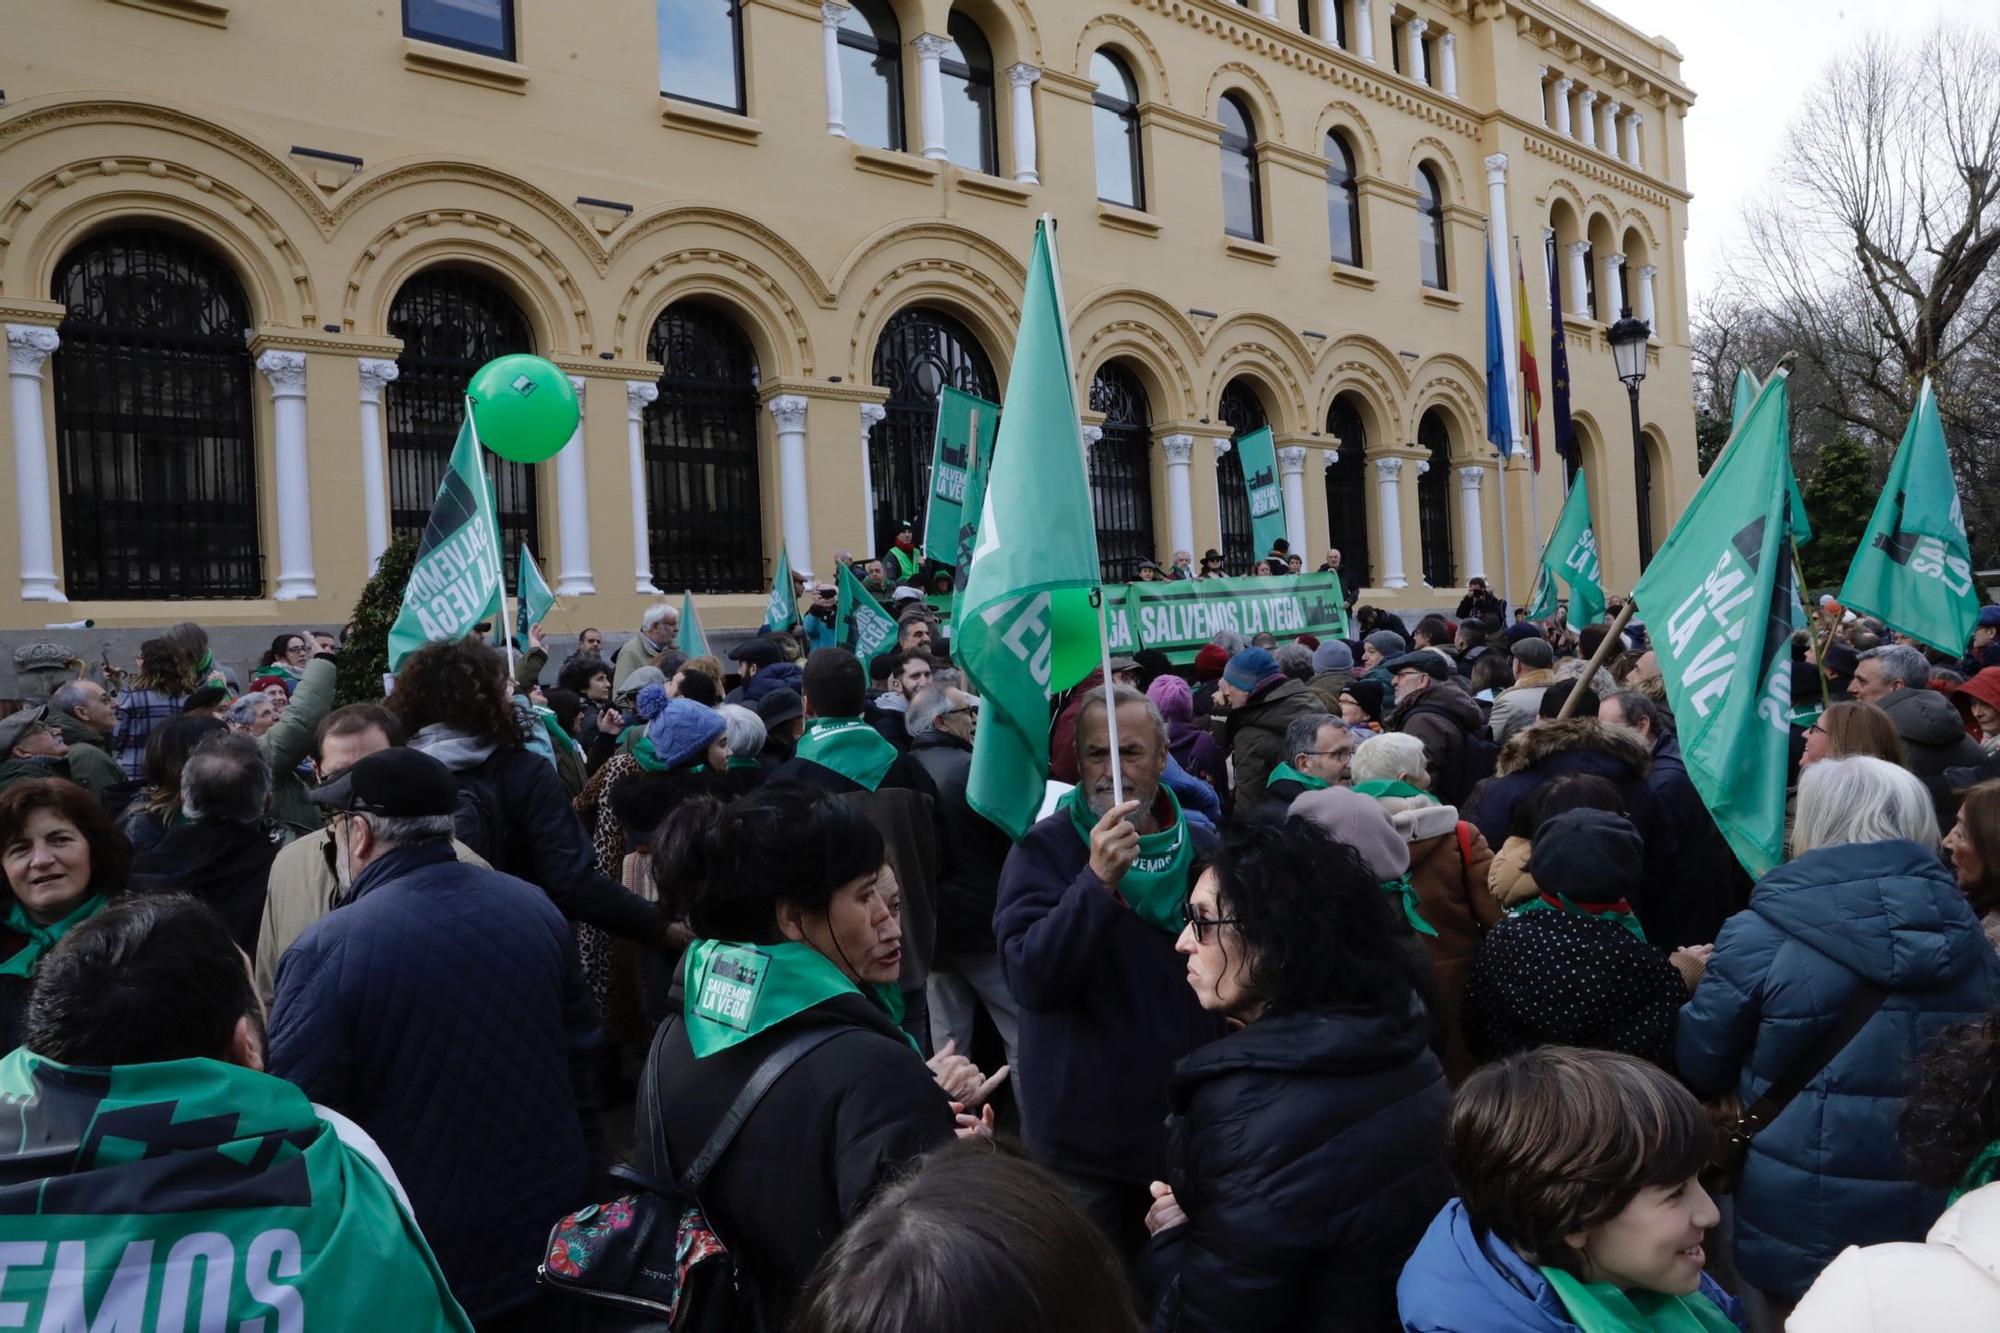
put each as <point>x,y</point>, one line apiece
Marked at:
<point>1258,454</point>
<point>1027,625</point>
<point>860,625</point>
<point>1747,389</point>
<point>781,608</point>
<point>455,582</point>
<point>690,642</point>
<point>962,449</point>
<point>1571,555</point>
<point>1721,603</point>
<point>1913,569</point>
<point>532,599</point>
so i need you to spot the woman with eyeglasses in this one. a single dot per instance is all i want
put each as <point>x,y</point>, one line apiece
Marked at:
<point>1307,1147</point>
<point>1850,729</point>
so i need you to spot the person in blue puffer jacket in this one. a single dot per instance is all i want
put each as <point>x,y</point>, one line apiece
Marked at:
<point>1866,899</point>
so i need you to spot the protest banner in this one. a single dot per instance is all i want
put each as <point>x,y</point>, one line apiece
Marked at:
<point>1179,618</point>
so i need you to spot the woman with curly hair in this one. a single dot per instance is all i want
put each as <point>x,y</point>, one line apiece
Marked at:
<point>1305,1150</point>
<point>165,680</point>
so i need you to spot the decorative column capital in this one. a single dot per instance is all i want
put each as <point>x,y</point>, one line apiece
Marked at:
<point>1292,460</point>
<point>1423,467</point>
<point>1222,448</point>
<point>1588,96</point>
<point>832,15</point>
<point>1614,260</point>
<point>1023,76</point>
<point>1542,73</point>
<point>1327,458</point>
<point>1179,449</point>
<point>1091,435</point>
<point>1388,469</point>
<point>286,371</point>
<point>1418,27</point>
<point>1637,118</point>
<point>576,383</point>
<point>929,45</point>
<point>377,373</point>
<point>1548,234</point>
<point>1647,272</point>
<point>1470,478</point>
<point>639,395</point>
<point>28,345</point>
<point>1496,169</point>
<point>1448,39</point>
<point>871,413</point>
<point>1578,248</point>
<point>789,411</point>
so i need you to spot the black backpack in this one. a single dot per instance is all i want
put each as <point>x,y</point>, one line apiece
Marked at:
<point>477,822</point>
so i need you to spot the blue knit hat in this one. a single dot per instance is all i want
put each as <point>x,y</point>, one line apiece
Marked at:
<point>683,730</point>
<point>650,701</point>
<point>1250,668</point>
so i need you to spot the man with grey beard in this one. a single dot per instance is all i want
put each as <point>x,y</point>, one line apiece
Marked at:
<point>1090,905</point>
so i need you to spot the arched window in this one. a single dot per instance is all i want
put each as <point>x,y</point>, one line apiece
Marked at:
<point>1114,124</point>
<point>703,527</point>
<point>1343,203</point>
<point>871,75</point>
<point>1347,491</point>
<point>451,323</point>
<point>967,69</point>
<point>154,442</point>
<point>701,51</point>
<point>1242,206</point>
<point>1121,474</point>
<point>1430,230</point>
<point>1242,411</point>
<point>1434,501</point>
<point>919,353</point>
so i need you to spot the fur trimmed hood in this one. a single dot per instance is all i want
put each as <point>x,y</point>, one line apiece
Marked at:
<point>1544,740</point>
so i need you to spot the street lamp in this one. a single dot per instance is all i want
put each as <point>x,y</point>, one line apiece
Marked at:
<point>1628,352</point>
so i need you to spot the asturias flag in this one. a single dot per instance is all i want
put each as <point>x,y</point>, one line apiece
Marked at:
<point>1571,555</point>
<point>455,582</point>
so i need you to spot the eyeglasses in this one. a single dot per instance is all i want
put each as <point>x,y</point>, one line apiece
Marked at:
<point>1347,753</point>
<point>1202,924</point>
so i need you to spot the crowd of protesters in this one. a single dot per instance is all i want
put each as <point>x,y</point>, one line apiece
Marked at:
<point>1401,980</point>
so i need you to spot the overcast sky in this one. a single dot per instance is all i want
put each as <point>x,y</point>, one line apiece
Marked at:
<point>1749,63</point>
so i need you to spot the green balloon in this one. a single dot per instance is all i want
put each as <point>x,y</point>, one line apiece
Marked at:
<point>523,407</point>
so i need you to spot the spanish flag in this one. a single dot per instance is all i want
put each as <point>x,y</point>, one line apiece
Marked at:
<point>1531,379</point>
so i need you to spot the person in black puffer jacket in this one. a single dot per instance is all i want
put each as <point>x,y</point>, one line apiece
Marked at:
<point>1307,1149</point>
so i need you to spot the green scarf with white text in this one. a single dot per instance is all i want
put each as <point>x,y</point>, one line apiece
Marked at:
<point>1602,1307</point>
<point>1156,884</point>
<point>732,992</point>
<point>850,747</point>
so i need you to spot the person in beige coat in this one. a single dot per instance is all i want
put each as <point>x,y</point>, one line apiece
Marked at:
<point>658,629</point>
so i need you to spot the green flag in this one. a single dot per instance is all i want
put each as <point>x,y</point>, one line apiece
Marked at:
<point>455,582</point>
<point>691,642</point>
<point>860,625</point>
<point>1571,555</point>
<point>1027,626</point>
<point>1746,393</point>
<point>1913,569</point>
<point>1257,452</point>
<point>532,599</point>
<point>1722,605</point>
<point>781,609</point>
<point>963,447</point>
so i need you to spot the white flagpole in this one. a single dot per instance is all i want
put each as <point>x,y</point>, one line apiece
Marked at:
<point>1506,565</point>
<point>506,625</point>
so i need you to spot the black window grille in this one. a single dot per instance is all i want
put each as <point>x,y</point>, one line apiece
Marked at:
<point>1121,474</point>
<point>155,448</point>
<point>1347,492</point>
<point>1434,502</point>
<point>704,530</point>
<point>451,323</point>
<point>1242,412</point>
<point>919,353</point>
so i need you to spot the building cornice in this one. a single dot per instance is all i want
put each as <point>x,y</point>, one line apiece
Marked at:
<point>1598,44</point>
<point>272,338</point>
<point>1573,157</point>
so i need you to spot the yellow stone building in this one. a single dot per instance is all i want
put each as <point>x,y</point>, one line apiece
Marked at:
<point>250,252</point>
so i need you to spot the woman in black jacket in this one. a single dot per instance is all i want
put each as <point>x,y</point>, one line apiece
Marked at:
<point>1307,1148</point>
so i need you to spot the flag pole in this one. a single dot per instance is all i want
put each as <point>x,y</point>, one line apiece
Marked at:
<point>506,623</point>
<point>1506,564</point>
<point>1110,692</point>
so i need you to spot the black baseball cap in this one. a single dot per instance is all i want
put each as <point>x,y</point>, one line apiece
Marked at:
<point>401,781</point>
<point>761,652</point>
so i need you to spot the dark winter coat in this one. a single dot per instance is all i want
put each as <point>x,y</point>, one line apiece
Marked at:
<point>225,864</point>
<point>839,1123</point>
<point>442,1007</point>
<point>777,676</point>
<point>1192,744</point>
<point>1308,1152</point>
<point>1105,1009</point>
<point>891,721</point>
<point>1710,884</point>
<point>1828,1173</point>
<point>1934,739</point>
<point>1256,734</point>
<point>1565,979</point>
<point>1441,716</point>
<point>971,848</point>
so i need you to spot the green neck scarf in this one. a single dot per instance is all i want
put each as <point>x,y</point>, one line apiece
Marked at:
<point>732,992</point>
<point>737,762</point>
<point>1601,1307</point>
<point>1380,789</point>
<point>1286,773</point>
<point>1156,884</point>
<point>1984,1170</point>
<point>850,747</point>
<point>646,757</point>
<point>42,938</point>
<point>1619,913</point>
<point>1406,893</point>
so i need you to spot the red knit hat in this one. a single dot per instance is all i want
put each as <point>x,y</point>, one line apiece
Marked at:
<point>1209,662</point>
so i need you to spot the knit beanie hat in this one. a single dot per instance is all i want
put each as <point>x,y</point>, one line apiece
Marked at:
<point>1250,668</point>
<point>650,701</point>
<point>1171,695</point>
<point>1368,693</point>
<point>1208,663</point>
<point>1361,823</point>
<point>1587,856</point>
<point>683,730</point>
<point>1332,656</point>
<point>1388,643</point>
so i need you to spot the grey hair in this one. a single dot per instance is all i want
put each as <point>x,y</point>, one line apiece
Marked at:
<point>68,698</point>
<point>393,831</point>
<point>1902,664</point>
<point>913,616</point>
<point>932,702</point>
<point>1295,660</point>
<point>1861,799</point>
<point>1230,642</point>
<point>243,712</point>
<point>1302,732</point>
<point>945,677</point>
<point>1390,757</point>
<point>226,779</point>
<point>657,613</point>
<point>743,729</point>
<point>1124,694</point>
<point>1570,668</point>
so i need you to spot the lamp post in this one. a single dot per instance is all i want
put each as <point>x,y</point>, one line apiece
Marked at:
<point>1628,352</point>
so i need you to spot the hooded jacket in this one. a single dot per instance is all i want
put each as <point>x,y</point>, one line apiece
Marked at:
<point>1948,1284</point>
<point>1827,1172</point>
<point>1256,737</point>
<point>1441,716</point>
<point>1308,1152</point>
<point>1934,739</point>
<point>778,676</point>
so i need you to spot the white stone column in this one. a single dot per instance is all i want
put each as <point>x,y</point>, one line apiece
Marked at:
<point>1496,240</point>
<point>1448,64</point>
<point>1579,280</point>
<point>1561,104</point>
<point>573,578</point>
<point>1021,79</point>
<point>1607,127</point>
<point>1646,275</point>
<point>794,497</point>
<point>1364,31</point>
<point>1473,520</point>
<point>830,16</point>
<point>286,372</point>
<point>930,48</point>
<point>1586,118</point>
<point>1635,142</point>
<point>1542,77</point>
<point>28,346</point>
<point>1389,490</point>
<point>1607,295</point>
<point>1326,21</point>
<point>871,413</point>
<point>1292,474</point>
<point>376,373</point>
<point>1268,9</point>
<point>1179,450</point>
<point>639,395</point>
<point>1413,48</point>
